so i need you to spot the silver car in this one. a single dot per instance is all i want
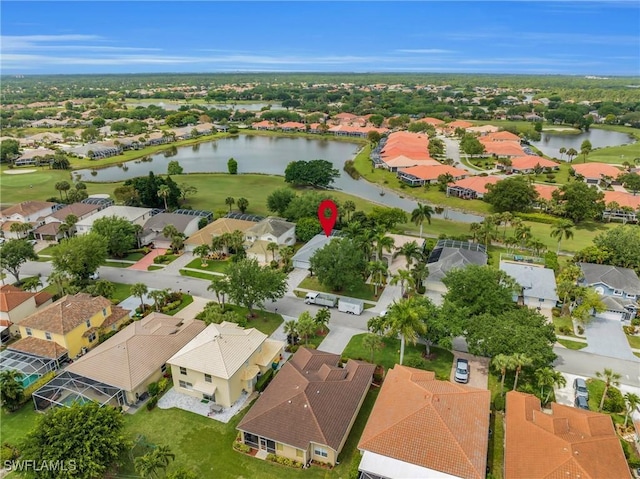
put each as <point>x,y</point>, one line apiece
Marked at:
<point>462,371</point>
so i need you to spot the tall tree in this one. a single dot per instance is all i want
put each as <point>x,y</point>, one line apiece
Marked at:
<point>348,207</point>
<point>520,361</point>
<point>610,378</point>
<point>251,284</point>
<point>202,251</point>
<point>316,173</point>
<point>273,247</point>
<point>549,378</point>
<point>372,342</point>
<point>503,363</point>
<point>119,234</point>
<point>21,228</point>
<point>411,251</point>
<point>340,265</point>
<point>278,201</point>
<point>229,201</point>
<point>220,287</point>
<point>378,271</point>
<point>512,194</point>
<point>306,326</point>
<point>563,229</point>
<point>632,401</point>
<point>585,149</point>
<point>15,253</point>
<point>405,279</point>
<point>63,435</point>
<point>322,318</point>
<point>243,204</point>
<point>11,389</point>
<point>164,192</point>
<point>383,243</point>
<point>579,201</point>
<point>139,290</point>
<point>421,214</point>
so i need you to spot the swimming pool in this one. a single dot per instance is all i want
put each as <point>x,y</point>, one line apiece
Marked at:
<point>29,380</point>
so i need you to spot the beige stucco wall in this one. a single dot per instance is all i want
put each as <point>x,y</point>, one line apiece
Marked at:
<point>18,313</point>
<point>142,388</point>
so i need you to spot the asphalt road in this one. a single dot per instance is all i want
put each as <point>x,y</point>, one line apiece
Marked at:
<point>569,361</point>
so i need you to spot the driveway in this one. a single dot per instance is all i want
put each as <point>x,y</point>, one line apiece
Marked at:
<point>337,339</point>
<point>146,261</point>
<point>564,395</point>
<point>478,370</point>
<point>606,338</point>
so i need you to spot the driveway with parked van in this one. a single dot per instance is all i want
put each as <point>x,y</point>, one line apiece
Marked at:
<point>478,370</point>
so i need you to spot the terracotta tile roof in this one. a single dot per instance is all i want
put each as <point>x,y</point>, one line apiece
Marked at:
<point>502,136</point>
<point>622,198</point>
<point>39,347</point>
<point>502,148</point>
<point>545,191</point>
<point>26,208</point>
<point>42,297</point>
<point>310,400</point>
<point>12,297</point>
<point>435,424</point>
<point>66,314</point>
<point>49,229</point>
<point>596,170</point>
<point>458,124</point>
<point>78,209</point>
<point>117,313</point>
<point>569,442</point>
<point>477,183</point>
<point>432,172</point>
<point>430,121</point>
<point>530,162</point>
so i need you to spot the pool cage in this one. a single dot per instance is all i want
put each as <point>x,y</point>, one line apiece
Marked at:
<point>31,367</point>
<point>67,388</point>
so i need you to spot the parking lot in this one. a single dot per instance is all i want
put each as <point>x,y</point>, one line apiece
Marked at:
<point>478,370</point>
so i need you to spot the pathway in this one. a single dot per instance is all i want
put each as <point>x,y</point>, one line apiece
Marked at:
<point>146,261</point>
<point>179,263</point>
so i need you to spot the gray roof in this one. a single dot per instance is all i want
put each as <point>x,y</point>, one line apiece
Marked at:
<point>314,244</point>
<point>271,225</point>
<point>624,279</point>
<point>613,303</point>
<point>159,221</point>
<point>452,258</point>
<point>537,282</point>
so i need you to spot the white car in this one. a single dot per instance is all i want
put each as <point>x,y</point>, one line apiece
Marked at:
<point>95,275</point>
<point>462,371</point>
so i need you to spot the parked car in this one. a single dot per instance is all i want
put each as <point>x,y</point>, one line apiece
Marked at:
<point>33,242</point>
<point>581,403</point>
<point>95,275</point>
<point>580,388</point>
<point>462,371</point>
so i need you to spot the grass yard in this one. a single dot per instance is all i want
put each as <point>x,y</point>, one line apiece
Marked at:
<point>389,355</point>
<point>197,274</point>
<point>154,267</point>
<point>634,341</point>
<point>121,291</point>
<point>204,445</point>
<point>15,426</point>
<point>187,299</point>
<point>575,345</point>
<point>263,321</point>
<point>47,251</point>
<point>495,459</point>
<point>596,388</point>
<point>565,323</point>
<point>365,291</point>
<point>212,265</point>
<point>116,264</point>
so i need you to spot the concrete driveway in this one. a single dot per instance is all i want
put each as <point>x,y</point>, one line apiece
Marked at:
<point>606,338</point>
<point>479,370</point>
<point>565,395</point>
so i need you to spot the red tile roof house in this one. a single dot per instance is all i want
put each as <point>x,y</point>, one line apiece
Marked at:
<point>528,164</point>
<point>502,149</point>
<point>50,230</point>
<point>594,173</point>
<point>264,125</point>
<point>292,126</point>
<point>309,408</point>
<point>564,443</point>
<point>424,428</point>
<point>16,304</point>
<point>472,187</point>
<point>629,206</point>
<point>421,175</point>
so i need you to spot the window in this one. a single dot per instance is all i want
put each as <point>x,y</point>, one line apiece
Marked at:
<point>47,335</point>
<point>29,333</point>
<point>186,385</point>
<point>320,451</point>
<point>617,292</point>
<point>631,296</point>
<point>164,368</point>
<point>183,371</point>
<point>92,337</point>
<point>88,323</point>
<point>207,378</point>
<point>104,312</point>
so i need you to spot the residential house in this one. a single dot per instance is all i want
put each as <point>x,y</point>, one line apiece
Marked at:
<point>628,206</point>
<point>223,361</point>
<point>302,258</point>
<point>309,408</point>
<point>73,323</point>
<point>269,230</point>
<point>448,255</point>
<point>529,164</point>
<point>421,175</point>
<point>16,304</point>
<point>50,230</point>
<point>133,214</point>
<point>618,287</point>
<point>422,427</point>
<point>502,149</point>
<point>472,187</point>
<point>219,227</point>
<point>563,442</point>
<point>33,157</point>
<point>119,370</point>
<point>33,212</point>
<point>537,284</point>
<point>594,173</point>
<point>152,229</point>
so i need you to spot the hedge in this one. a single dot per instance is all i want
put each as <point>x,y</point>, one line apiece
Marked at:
<point>264,380</point>
<point>33,387</point>
<point>539,218</point>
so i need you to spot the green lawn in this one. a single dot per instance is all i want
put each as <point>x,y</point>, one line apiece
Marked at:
<point>389,355</point>
<point>197,274</point>
<point>596,388</point>
<point>495,460</point>
<point>15,426</point>
<point>204,445</point>
<point>136,256</point>
<point>47,251</point>
<point>116,264</point>
<point>616,154</point>
<point>212,265</point>
<point>187,299</point>
<point>264,321</point>
<point>122,291</point>
<point>634,341</point>
<point>567,343</point>
<point>154,267</point>
<point>563,322</point>
<point>365,291</point>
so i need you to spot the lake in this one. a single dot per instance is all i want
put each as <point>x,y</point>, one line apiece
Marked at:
<point>264,154</point>
<point>219,106</point>
<point>551,143</point>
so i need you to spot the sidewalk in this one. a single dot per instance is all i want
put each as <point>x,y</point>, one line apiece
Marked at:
<point>179,263</point>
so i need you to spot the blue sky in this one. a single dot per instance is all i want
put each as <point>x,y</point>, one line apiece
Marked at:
<point>586,37</point>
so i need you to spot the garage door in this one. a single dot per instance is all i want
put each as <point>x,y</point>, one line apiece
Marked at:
<point>610,315</point>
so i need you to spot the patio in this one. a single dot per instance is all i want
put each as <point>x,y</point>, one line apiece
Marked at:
<point>176,399</point>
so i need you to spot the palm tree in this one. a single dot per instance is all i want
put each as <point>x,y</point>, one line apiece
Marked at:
<point>139,290</point>
<point>474,228</point>
<point>404,278</point>
<point>563,150</point>
<point>59,278</point>
<point>322,318</point>
<point>563,229</point>
<point>32,284</point>
<point>229,201</point>
<point>353,230</point>
<point>523,233</point>
<point>62,186</point>
<point>420,214</point>
<point>169,231</point>
<point>511,242</point>
<point>21,228</point>
<point>291,330</point>
<point>273,247</point>
<point>220,287</point>
<point>306,326</point>
<point>406,318</point>
<point>286,254</point>
<point>159,297</point>
<point>11,389</point>
<point>410,251</point>
<point>571,153</point>
<point>488,232</point>
<point>202,251</point>
<point>420,272</point>
<point>503,363</point>
<point>382,243</point>
<point>243,204</point>
<point>163,454</point>
<point>520,361</point>
<point>348,207</point>
<point>151,463</point>
<point>373,343</point>
<point>69,223</point>
<point>505,218</point>
<point>378,271</point>
<point>548,377</point>
<point>610,378</point>
<point>164,192</point>
<point>632,401</point>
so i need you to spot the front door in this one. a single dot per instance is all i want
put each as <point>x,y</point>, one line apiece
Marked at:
<point>267,445</point>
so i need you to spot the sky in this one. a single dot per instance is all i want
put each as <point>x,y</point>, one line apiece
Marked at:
<point>535,37</point>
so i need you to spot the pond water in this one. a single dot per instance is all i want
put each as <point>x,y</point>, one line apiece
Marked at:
<point>551,143</point>
<point>167,105</point>
<point>264,154</point>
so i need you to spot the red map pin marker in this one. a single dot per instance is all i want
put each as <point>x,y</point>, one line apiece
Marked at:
<point>327,222</point>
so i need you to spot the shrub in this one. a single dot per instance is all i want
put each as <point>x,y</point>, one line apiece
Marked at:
<point>264,380</point>
<point>8,452</point>
<point>34,386</point>
<point>416,362</point>
<point>152,403</point>
<point>163,385</point>
<point>539,218</point>
<point>498,402</point>
<point>635,321</point>
<point>153,389</point>
<point>580,329</point>
<point>629,454</point>
<point>160,259</point>
<point>170,306</point>
<point>239,446</point>
<point>293,348</point>
<point>629,329</point>
<point>614,401</point>
<point>565,330</point>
